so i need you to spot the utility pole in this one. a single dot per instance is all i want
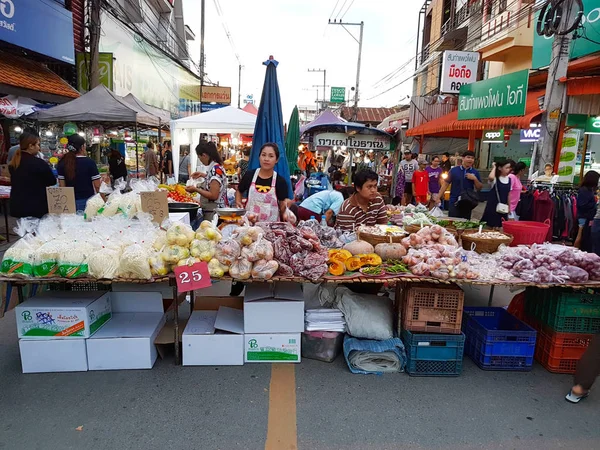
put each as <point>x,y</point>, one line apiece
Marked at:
<point>202,14</point>
<point>359,41</point>
<point>94,29</point>
<point>324,82</point>
<point>555,97</point>
<point>239,85</point>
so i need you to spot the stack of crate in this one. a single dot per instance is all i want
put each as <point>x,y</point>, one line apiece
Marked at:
<point>566,321</point>
<point>497,340</point>
<point>430,326</point>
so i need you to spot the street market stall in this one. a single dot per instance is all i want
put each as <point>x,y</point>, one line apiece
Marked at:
<point>187,131</point>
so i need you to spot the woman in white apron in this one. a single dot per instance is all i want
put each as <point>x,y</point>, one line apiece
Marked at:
<point>265,190</point>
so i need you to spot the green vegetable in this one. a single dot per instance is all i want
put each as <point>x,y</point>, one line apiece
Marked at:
<point>397,268</point>
<point>372,271</point>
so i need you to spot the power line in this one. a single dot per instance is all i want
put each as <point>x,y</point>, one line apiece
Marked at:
<point>347,9</point>
<point>334,8</point>
<point>226,29</point>
<point>396,73</point>
<point>343,4</point>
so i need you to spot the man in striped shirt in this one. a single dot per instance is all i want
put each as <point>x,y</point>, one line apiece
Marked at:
<point>365,206</point>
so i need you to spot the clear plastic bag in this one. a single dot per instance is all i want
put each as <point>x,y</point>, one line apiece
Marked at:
<point>92,206</point>
<point>134,263</point>
<point>241,269</point>
<point>216,269</point>
<point>264,270</point>
<point>180,234</point>
<point>172,254</point>
<point>203,249</point>
<point>104,263</point>
<point>261,249</point>
<point>227,251</point>
<point>158,266</point>
<point>247,235</point>
<point>207,230</point>
<point>18,260</point>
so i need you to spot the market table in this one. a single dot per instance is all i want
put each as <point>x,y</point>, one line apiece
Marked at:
<point>402,279</point>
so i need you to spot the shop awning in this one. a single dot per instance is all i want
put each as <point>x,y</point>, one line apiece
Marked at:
<point>583,86</point>
<point>450,126</point>
<point>22,77</point>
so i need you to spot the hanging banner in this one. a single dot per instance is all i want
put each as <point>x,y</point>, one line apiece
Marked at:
<point>358,141</point>
<point>216,94</point>
<point>458,69</point>
<point>568,155</point>
<point>502,96</point>
<point>105,67</point>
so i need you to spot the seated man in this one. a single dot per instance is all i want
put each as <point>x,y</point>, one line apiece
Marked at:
<point>365,206</point>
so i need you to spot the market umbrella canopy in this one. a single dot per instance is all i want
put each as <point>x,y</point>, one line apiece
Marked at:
<point>292,141</point>
<point>326,117</point>
<point>269,124</point>
<point>162,114</point>
<point>250,108</point>
<point>98,105</point>
<point>228,119</point>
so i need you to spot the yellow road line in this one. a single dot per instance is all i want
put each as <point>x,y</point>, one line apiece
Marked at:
<point>282,433</point>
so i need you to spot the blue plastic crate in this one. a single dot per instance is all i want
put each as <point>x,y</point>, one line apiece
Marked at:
<point>433,354</point>
<point>497,340</point>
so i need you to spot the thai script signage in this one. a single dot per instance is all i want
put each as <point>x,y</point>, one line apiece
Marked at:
<point>458,69</point>
<point>357,141</point>
<point>502,96</point>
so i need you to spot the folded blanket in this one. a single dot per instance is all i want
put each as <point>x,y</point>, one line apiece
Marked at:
<point>378,357</point>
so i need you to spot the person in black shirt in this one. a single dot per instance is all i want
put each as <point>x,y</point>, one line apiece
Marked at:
<point>116,166</point>
<point>446,164</point>
<point>30,176</point>
<point>167,160</point>
<point>78,171</point>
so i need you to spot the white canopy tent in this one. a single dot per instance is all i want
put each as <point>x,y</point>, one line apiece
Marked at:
<point>187,130</point>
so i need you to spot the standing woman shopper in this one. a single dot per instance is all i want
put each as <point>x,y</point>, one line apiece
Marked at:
<point>116,166</point>
<point>30,176</point>
<point>214,191</point>
<point>497,207</point>
<point>516,187</point>
<point>586,210</point>
<point>266,191</point>
<point>78,171</point>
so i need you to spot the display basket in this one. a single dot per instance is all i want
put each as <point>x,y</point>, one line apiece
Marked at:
<point>437,355</point>
<point>481,245</point>
<point>526,232</point>
<point>560,352</point>
<point>431,308</point>
<point>412,228</point>
<point>496,340</point>
<point>375,239</point>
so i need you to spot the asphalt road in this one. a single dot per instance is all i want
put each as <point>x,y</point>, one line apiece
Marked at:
<point>227,408</point>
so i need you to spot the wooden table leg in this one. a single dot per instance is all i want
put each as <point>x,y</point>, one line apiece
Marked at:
<point>176,323</point>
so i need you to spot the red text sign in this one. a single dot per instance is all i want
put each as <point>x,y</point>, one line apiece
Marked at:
<point>190,278</point>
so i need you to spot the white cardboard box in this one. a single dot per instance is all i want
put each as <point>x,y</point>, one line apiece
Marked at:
<point>205,345</point>
<point>272,348</point>
<point>53,355</point>
<point>180,217</point>
<point>274,308</point>
<point>55,315</point>
<point>127,341</point>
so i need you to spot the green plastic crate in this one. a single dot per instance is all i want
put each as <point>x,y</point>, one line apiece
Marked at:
<point>565,310</point>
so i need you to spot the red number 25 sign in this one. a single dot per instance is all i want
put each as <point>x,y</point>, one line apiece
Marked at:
<point>190,278</point>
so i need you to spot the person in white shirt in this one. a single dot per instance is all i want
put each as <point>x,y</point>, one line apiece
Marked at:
<point>409,165</point>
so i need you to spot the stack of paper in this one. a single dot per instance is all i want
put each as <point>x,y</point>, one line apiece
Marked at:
<point>325,320</point>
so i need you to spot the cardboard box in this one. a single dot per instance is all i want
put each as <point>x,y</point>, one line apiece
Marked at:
<point>180,217</point>
<point>164,288</point>
<point>274,308</point>
<point>54,315</point>
<point>213,303</point>
<point>127,341</point>
<point>53,355</point>
<point>272,348</point>
<point>214,338</point>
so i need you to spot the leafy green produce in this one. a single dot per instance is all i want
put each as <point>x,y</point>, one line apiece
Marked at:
<point>371,271</point>
<point>396,268</point>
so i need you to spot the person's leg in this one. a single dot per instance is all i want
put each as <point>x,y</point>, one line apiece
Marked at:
<point>80,205</point>
<point>588,368</point>
<point>453,210</point>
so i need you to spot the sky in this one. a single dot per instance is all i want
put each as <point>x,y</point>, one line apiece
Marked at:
<point>296,33</point>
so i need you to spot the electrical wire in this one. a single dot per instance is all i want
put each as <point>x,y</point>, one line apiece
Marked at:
<point>226,29</point>
<point>334,8</point>
<point>475,37</point>
<point>347,9</point>
<point>341,9</point>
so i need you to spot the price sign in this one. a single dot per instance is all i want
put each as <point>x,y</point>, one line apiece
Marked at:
<point>155,203</point>
<point>190,278</point>
<point>61,200</point>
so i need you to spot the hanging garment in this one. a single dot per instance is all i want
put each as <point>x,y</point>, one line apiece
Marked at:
<point>525,207</point>
<point>544,210</point>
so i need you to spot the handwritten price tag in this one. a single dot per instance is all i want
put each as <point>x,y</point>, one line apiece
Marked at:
<point>190,278</point>
<point>61,200</point>
<point>155,203</point>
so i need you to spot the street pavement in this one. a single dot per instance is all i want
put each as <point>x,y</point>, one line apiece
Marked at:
<point>171,407</point>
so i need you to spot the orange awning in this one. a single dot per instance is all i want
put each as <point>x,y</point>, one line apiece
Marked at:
<point>450,126</point>
<point>583,86</point>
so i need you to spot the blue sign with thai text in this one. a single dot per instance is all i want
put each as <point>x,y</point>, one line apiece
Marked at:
<point>42,26</point>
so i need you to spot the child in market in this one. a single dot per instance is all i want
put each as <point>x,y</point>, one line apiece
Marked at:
<point>421,184</point>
